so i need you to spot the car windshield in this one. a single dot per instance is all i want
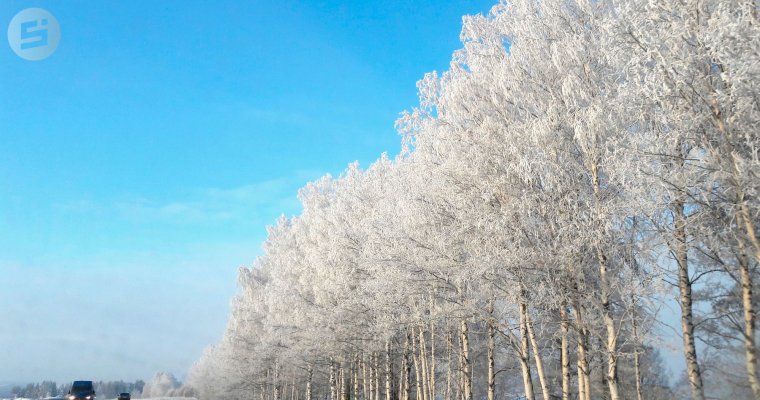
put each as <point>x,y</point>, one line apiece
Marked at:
<point>81,386</point>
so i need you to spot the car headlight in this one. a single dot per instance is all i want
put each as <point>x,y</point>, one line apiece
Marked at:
<point>88,397</point>
<point>72,397</point>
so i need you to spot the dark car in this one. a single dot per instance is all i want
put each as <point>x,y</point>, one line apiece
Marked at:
<point>81,390</point>
<point>123,396</point>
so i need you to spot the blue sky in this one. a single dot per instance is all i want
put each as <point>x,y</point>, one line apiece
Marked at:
<point>140,163</point>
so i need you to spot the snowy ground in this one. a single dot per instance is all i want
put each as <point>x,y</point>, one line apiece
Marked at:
<point>151,398</point>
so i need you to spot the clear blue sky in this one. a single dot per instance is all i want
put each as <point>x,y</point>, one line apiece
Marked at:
<point>140,163</point>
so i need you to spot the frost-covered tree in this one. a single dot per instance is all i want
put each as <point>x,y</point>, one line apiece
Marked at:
<point>550,181</point>
<point>163,384</point>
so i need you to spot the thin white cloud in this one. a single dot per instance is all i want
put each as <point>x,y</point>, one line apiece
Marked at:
<point>208,205</point>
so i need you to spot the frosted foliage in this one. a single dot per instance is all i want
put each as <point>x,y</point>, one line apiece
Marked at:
<point>578,163</point>
<point>163,384</point>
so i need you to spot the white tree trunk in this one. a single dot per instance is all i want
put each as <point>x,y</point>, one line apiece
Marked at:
<point>432,361</point>
<point>750,348</point>
<point>268,382</point>
<point>417,369</point>
<point>276,381</point>
<point>309,374</point>
<point>636,355</point>
<point>449,346</point>
<point>388,370</point>
<point>356,376</point>
<point>343,384</point>
<point>525,354</point>
<point>364,380</point>
<point>372,377</point>
<point>333,388</point>
<point>407,369</point>
<point>609,322</point>
<point>376,365</point>
<point>423,364</point>
<point>465,360</point>
<point>491,332</point>
<point>680,251</point>
<point>539,360</point>
<point>564,353</point>
<point>584,381</point>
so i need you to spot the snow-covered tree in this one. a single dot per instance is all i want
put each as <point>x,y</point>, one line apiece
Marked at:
<point>574,157</point>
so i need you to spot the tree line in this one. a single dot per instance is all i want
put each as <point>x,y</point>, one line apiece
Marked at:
<point>578,164</point>
<point>104,389</point>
